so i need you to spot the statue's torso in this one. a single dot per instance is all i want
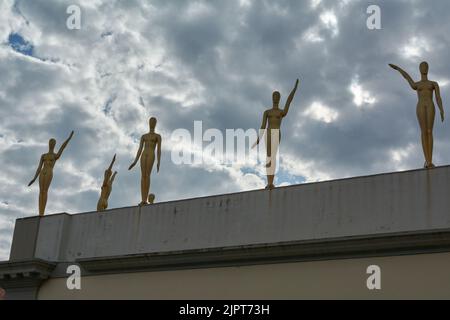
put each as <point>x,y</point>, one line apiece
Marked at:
<point>425,91</point>
<point>274,117</point>
<point>49,160</point>
<point>150,141</point>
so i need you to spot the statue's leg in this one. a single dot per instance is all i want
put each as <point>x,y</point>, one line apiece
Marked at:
<point>273,141</point>
<point>102,204</point>
<point>146,169</point>
<point>150,168</point>
<point>145,177</point>
<point>41,196</point>
<point>99,205</point>
<point>269,171</point>
<point>44,183</point>
<point>430,112</point>
<point>422,118</point>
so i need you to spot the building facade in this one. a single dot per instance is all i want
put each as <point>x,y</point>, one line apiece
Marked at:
<point>374,237</point>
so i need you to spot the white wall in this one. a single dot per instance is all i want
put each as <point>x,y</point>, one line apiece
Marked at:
<point>402,277</point>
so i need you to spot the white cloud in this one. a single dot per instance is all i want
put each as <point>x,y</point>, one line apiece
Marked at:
<point>361,97</point>
<point>330,22</point>
<point>312,35</point>
<point>299,166</point>
<point>327,25</point>
<point>400,156</point>
<point>416,47</point>
<point>321,112</point>
<point>315,3</point>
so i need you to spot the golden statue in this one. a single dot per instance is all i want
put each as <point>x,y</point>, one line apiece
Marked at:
<point>146,153</point>
<point>425,108</point>
<point>45,171</point>
<point>151,198</point>
<point>108,180</point>
<point>272,122</point>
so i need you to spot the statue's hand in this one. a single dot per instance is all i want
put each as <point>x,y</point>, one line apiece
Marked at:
<point>296,83</point>
<point>255,144</point>
<point>393,66</point>
<point>442,116</point>
<point>71,135</point>
<point>157,167</point>
<point>132,166</point>
<point>31,182</point>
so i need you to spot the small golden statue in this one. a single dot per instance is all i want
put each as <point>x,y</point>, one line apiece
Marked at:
<point>271,124</point>
<point>108,180</point>
<point>149,142</point>
<point>151,198</point>
<point>45,171</point>
<point>425,108</point>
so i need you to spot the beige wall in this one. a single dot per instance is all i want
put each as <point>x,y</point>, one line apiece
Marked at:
<point>418,276</point>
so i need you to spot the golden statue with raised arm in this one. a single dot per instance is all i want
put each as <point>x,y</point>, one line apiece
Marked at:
<point>425,108</point>
<point>149,142</point>
<point>271,125</point>
<point>45,171</point>
<point>108,180</point>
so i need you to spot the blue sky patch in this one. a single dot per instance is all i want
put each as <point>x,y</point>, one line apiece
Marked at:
<point>19,44</point>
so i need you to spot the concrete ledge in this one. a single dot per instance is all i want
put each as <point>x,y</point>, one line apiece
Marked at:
<point>344,248</point>
<point>22,279</point>
<point>366,207</point>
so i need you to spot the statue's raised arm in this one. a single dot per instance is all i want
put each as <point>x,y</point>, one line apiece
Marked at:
<point>289,99</point>
<point>112,162</point>
<point>405,75</point>
<point>63,146</point>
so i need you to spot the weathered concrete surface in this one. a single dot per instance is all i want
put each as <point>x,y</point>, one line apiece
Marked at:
<point>24,239</point>
<point>387,203</point>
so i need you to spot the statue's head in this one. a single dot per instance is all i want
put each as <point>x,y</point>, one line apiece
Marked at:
<point>276,96</point>
<point>151,198</point>
<point>51,144</point>
<point>152,123</point>
<point>424,68</point>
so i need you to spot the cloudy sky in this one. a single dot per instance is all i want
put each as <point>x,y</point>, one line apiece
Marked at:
<point>216,61</point>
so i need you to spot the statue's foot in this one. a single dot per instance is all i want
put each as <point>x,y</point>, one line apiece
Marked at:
<point>270,187</point>
<point>143,203</point>
<point>429,165</point>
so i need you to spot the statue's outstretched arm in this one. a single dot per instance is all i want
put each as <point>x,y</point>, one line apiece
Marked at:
<point>112,163</point>
<point>290,98</point>
<point>263,127</point>
<point>41,163</point>
<point>138,154</point>
<point>437,92</point>
<point>63,146</point>
<point>405,75</point>
<point>158,152</point>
